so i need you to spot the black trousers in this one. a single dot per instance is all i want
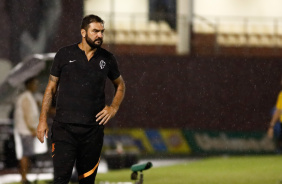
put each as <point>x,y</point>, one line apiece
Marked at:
<point>76,144</point>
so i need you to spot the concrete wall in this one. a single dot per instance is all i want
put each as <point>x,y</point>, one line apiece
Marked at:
<point>245,8</point>
<point>119,14</point>
<point>255,8</point>
<point>116,6</point>
<point>201,93</point>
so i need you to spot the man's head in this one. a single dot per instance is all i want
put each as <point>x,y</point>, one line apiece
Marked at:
<point>92,30</point>
<point>31,84</point>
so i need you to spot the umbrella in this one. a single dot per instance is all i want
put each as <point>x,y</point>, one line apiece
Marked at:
<point>31,66</point>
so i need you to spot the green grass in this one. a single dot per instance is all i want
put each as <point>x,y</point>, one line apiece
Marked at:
<point>217,170</point>
<point>213,170</point>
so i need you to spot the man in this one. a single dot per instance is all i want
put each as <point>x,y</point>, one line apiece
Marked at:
<point>26,120</point>
<point>277,115</point>
<point>274,129</point>
<point>78,75</point>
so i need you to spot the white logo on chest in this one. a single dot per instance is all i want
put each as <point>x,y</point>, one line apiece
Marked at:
<point>102,64</point>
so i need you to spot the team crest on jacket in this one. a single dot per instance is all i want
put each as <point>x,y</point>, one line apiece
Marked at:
<point>102,64</point>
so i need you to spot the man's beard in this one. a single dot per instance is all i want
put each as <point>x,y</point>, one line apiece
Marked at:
<point>92,44</point>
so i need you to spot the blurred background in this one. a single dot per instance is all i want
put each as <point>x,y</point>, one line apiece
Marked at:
<point>202,76</point>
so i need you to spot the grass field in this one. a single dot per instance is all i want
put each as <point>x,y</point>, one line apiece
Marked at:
<point>216,170</point>
<point>213,170</point>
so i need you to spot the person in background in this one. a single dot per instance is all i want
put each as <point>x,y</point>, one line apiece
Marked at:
<point>26,119</point>
<point>274,129</point>
<point>78,76</point>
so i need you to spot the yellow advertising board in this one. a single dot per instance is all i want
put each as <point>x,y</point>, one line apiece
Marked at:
<point>175,141</point>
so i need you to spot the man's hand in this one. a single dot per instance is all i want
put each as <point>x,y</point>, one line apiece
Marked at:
<point>110,111</point>
<point>270,132</point>
<point>106,114</point>
<point>42,130</point>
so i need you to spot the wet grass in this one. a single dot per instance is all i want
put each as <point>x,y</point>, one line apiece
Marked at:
<point>213,170</point>
<point>216,170</point>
